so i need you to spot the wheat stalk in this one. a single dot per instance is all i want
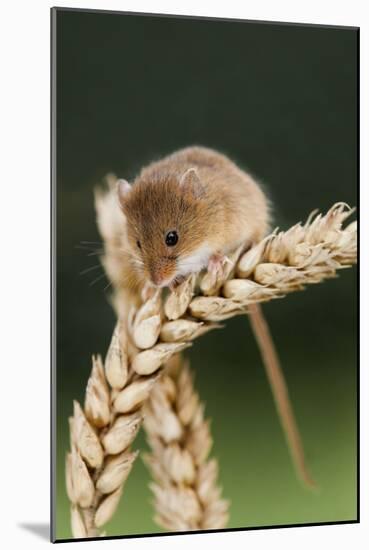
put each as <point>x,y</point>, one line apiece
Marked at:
<point>186,496</point>
<point>150,332</point>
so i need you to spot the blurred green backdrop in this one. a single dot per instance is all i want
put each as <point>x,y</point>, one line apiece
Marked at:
<point>282,101</point>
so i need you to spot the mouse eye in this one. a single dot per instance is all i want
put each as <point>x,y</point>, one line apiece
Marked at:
<point>171,238</point>
<point>138,244</point>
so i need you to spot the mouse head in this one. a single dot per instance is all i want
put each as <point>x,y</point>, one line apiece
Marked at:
<point>165,225</point>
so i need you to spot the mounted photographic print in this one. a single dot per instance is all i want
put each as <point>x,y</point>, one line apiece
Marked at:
<point>204,184</point>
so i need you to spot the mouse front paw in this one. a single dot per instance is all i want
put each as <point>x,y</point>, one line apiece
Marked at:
<point>217,264</point>
<point>176,282</point>
<point>147,292</point>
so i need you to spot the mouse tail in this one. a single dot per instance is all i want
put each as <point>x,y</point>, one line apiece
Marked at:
<point>280,393</point>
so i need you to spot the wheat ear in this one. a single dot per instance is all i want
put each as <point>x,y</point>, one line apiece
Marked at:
<point>101,433</point>
<point>186,495</point>
<point>283,262</point>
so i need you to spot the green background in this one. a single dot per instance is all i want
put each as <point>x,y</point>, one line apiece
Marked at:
<point>282,101</point>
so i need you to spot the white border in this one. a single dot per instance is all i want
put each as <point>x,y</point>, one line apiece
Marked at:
<point>24,299</point>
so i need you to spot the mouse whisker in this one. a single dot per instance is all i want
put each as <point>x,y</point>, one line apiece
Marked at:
<point>92,242</point>
<point>88,269</point>
<point>96,253</point>
<point>92,250</point>
<point>107,286</point>
<point>97,279</point>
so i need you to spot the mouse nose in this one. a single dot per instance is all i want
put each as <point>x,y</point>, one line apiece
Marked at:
<point>156,278</point>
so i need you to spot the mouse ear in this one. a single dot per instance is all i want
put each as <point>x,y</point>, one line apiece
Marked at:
<point>123,189</point>
<point>191,183</point>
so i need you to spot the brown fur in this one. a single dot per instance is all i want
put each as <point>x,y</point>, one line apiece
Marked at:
<point>232,209</point>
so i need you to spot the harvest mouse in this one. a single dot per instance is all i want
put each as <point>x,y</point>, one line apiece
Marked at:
<point>187,211</point>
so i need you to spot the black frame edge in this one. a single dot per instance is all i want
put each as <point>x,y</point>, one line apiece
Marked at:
<point>53,14</point>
